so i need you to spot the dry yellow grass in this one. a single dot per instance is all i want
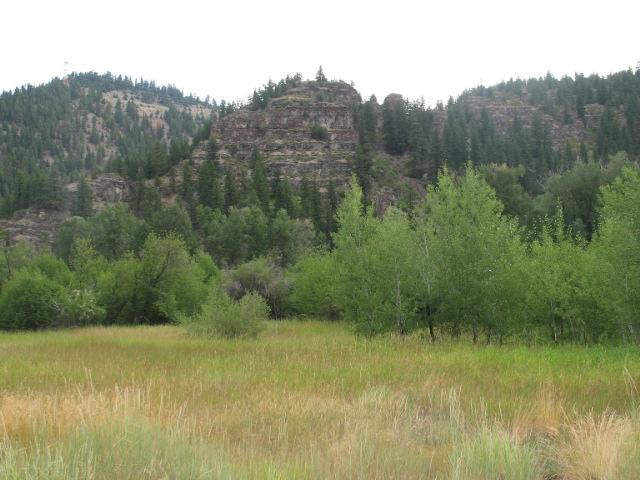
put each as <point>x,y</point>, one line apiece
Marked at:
<point>306,400</point>
<point>591,447</point>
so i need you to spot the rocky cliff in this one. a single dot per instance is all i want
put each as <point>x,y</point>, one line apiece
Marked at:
<point>40,226</point>
<point>504,109</point>
<point>282,132</point>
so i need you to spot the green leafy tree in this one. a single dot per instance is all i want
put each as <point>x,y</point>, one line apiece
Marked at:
<point>618,244</point>
<point>173,219</point>
<point>289,238</point>
<point>262,277</point>
<point>29,301</point>
<point>506,183</point>
<point>157,287</point>
<point>86,264</point>
<point>551,270</point>
<point>393,249</point>
<point>70,230</point>
<point>115,231</point>
<point>472,248</point>
<point>355,291</point>
<point>313,286</point>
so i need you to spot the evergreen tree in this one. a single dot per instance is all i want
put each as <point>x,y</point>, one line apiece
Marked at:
<point>259,184</point>
<point>320,77</point>
<point>209,189</point>
<point>188,192</point>
<point>395,127</point>
<point>57,194</point>
<point>83,201</point>
<point>282,195</point>
<point>230,191</point>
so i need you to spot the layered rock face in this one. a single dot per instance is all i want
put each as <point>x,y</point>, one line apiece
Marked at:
<point>502,112</point>
<point>107,189</point>
<point>282,132</point>
<point>40,226</point>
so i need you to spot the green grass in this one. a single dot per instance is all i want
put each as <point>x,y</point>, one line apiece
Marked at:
<point>310,400</point>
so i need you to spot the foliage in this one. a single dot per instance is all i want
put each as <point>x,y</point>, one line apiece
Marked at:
<point>617,244</point>
<point>59,132</point>
<point>473,251</point>
<point>225,317</point>
<point>319,132</point>
<point>355,292</point>
<point>30,300</point>
<point>83,202</point>
<point>313,283</point>
<point>262,277</point>
<point>248,233</point>
<point>270,90</point>
<point>114,231</point>
<point>155,287</point>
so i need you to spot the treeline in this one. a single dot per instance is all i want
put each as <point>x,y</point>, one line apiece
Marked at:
<point>59,132</point>
<point>456,265</point>
<point>535,168</point>
<point>150,93</point>
<point>271,89</point>
<point>517,133</point>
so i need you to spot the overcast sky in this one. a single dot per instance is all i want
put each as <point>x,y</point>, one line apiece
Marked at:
<point>228,48</point>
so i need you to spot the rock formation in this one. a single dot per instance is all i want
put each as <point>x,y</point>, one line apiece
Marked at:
<point>282,132</point>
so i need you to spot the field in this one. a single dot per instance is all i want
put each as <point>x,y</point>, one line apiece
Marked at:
<point>309,400</point>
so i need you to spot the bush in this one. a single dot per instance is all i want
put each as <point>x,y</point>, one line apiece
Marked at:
<point>224,317</point>
<point>30,301</point>
<point>263,277</point>
<point>318,132</point>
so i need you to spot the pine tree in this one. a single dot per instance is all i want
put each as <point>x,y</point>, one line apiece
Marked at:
<point>83,202</point>
<point>259,182</point>
<point>209,190</point>
<point>320,75</point>
<point>230,192</point>
<point>282,195</point>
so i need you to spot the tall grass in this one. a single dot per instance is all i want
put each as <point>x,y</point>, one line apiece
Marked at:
<point>309,400</point>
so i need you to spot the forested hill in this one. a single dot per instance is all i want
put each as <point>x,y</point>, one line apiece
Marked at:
<point>538,142</point>
<point>53,134</point>
<point>144,194</point>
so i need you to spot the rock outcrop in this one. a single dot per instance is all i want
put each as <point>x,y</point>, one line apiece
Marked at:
<point>31,225</point>
<point>107,188</point>
<point>41,226</point>
<point>282,132</point>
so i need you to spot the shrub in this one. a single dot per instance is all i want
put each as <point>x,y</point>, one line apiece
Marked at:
<point>30,301</point>
<point>263,277</point>
<point>225,317</point>
<point>318,132</point>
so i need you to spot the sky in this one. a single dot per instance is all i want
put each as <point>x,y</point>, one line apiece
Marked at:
<point>226,49</point>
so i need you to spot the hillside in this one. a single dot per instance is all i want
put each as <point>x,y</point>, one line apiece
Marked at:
<point>55,133</point>
<point>309,137</point>
<point>515,236</point>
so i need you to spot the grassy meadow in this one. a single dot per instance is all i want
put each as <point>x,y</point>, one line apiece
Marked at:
<point>309,400</point>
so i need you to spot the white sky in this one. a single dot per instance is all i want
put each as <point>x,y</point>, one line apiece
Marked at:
<point>227,48</point>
